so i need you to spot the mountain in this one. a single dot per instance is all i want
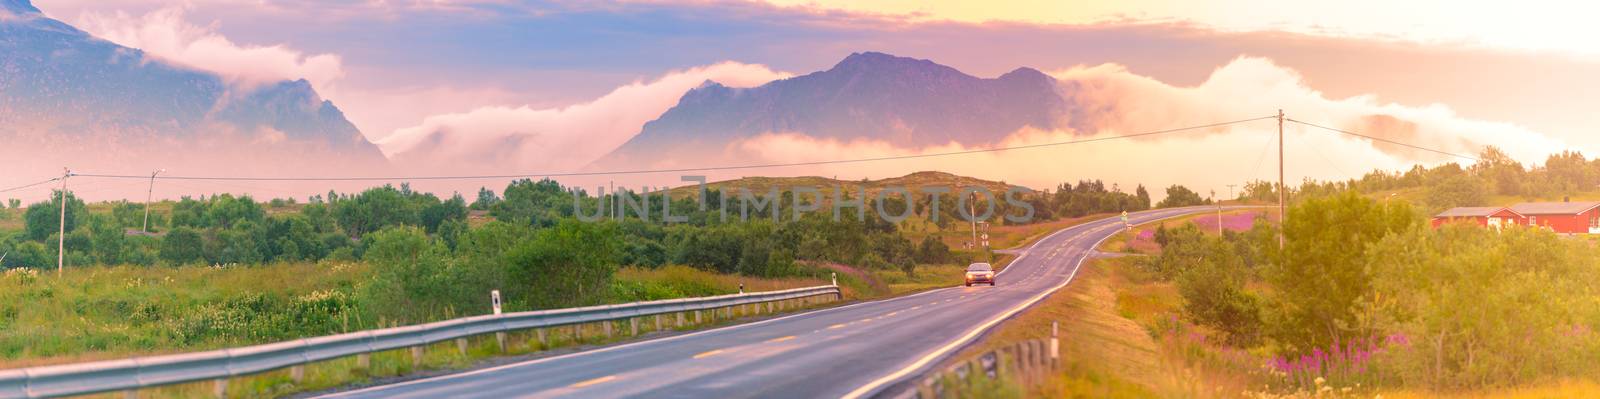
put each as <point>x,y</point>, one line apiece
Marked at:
<point>63,91</point>
<point>909,103</point>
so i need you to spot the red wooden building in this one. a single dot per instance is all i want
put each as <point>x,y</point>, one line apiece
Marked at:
<point>1495,217</point>
<point>1562,217</point>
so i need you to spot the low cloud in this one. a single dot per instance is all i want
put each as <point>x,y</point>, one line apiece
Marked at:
<point>532,139</point>
<point>165,34</point>
<point>1117,102</point>
<point>1123,102</point>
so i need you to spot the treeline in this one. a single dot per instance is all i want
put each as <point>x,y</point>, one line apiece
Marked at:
<point>1452,184</point>
<point>224,229</point>
<point>732,232</point>
<point>1365,293</point>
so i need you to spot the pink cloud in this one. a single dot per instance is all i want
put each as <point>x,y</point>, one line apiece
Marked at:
<point>165,34</point>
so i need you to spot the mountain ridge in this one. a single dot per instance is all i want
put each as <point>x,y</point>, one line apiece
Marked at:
<point>906,102</point>
<point>62,85</point>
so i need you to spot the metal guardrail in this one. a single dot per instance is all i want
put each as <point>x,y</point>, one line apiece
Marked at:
<point>151,371</point>
<point>1028,360</point>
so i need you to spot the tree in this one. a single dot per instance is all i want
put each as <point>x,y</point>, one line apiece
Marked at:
<point>932,250</point>
<point>540,203</point>
<point>1213,289</point>
<point>414,278</point>
<point>29,254</point>
<point>1143,197</point>
<point>226,211</point>
<point>373,210</point>
<point>182,245</point>
<point>1319,277</point>
<point>1179,196</point>
<point>1505,175</point>
<point>435,214</point>
<point>14,203</point>
<point>486,199</point>
<point>1457,190</point>
<point>1569,171</point>
<point>569,264</point>
<point>44,218</point>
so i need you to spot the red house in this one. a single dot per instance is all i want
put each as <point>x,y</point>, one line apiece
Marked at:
<point>1562,217</point>
<point>1495,217</point>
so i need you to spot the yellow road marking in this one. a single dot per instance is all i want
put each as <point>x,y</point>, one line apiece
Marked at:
<point>780,339</point>
<point>840,325</point>
<point>891,314</point>
<point>865,320</point>
<point>708,353</point>
<point>593,381</point>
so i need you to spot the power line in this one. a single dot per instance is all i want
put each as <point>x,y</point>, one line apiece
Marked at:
<point>29,185</point>
<point>678,170</point>
<point>1384,140</point>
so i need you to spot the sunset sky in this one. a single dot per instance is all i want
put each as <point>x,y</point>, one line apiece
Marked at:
<point>1521,75</point>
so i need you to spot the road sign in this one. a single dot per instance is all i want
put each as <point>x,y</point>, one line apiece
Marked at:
<point>494,296</point>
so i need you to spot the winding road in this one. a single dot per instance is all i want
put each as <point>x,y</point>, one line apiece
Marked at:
<point>855,351</point>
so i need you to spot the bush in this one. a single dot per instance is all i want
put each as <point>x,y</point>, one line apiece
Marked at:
<point>1213,291</point>
<point>181,246</point>
<point>1318,279</point>
<point>566,265</point>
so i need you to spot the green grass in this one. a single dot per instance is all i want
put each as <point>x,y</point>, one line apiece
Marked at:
<point>99,313</point>
<point>113,312</point>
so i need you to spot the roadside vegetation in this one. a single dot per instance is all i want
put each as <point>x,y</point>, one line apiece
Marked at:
<point>1364,300</point>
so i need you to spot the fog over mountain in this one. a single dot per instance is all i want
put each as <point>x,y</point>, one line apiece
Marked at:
<point>905,102</point>
<point>70,99</point>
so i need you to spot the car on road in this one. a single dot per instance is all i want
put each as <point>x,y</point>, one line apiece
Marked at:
<point>979,273</point>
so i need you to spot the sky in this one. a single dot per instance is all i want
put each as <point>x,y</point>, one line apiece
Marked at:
<point>587,75</point>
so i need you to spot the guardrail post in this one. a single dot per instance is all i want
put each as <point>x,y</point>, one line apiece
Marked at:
<point>607,325</point>
<point>577,332</point>
<point>544,342</point>
<point>1055,345</point>
<point>769,306</point>
<point>219,387</point>
<point>130,394</point>
<point>696,317</point>
<point>364,361</point>
<point>633,325</point>
<point>500,340</point>
<point>461,346</point>
<point>679,324</point>
<point>416,356</point>
<point>297,373</point>
<point>658,322</point>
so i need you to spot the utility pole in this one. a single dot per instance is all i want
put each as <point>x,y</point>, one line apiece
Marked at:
<point>1283,214</point>
<point>61,234</point>
<point>147,195</point>
<point>972,216</point>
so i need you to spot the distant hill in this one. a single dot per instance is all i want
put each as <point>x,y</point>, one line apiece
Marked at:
<point>909,103</point>
<point>66,95</point>
<point>911,182</point>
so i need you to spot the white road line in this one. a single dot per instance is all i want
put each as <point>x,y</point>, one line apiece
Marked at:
<point>612,348</point>
<point>874,385</point>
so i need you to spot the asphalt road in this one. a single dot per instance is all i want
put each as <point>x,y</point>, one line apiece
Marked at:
<point>857,350</point>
